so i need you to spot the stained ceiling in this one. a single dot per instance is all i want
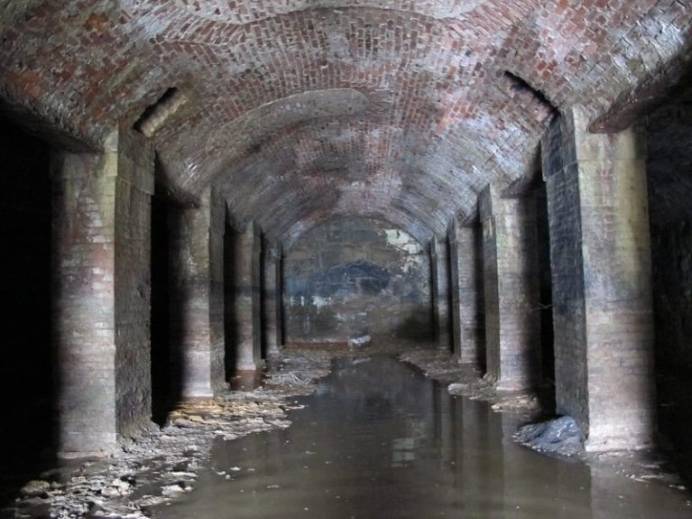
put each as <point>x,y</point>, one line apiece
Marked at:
<point>300,110</point>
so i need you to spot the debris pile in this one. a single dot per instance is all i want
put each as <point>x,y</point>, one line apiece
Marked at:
<point>561,436</point>
<point>359,342</point>
<point>163,464</point>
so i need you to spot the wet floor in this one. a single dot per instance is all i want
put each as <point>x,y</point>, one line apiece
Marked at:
<point>378,440</point>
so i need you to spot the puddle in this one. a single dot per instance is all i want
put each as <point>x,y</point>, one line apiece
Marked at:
<point>379,440</point>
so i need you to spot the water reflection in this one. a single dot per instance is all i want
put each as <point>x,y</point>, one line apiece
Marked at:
<point>379,440</point>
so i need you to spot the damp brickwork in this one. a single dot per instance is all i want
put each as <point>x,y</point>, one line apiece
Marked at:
<point>351,277</point>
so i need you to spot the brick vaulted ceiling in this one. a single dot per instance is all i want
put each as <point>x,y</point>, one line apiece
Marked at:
<point>303,109</point>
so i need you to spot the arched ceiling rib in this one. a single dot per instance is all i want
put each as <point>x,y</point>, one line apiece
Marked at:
<point>302,109</point>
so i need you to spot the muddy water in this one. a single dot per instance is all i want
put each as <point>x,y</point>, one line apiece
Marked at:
<point>378,440</point>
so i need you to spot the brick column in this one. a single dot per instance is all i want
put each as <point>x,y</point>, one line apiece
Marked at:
<point>271,292</point>
<point>246,300</point>
<point>101,254</point>
<point>439,264</point>
<point>467,293</point>
<point>511,290</point>
<point>601,278</point>
<point>197,305</point>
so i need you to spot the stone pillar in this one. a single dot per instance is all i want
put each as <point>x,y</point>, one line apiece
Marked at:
<point>601,281</point>
<point>467,293</point>
<point>271,292</point>
<point>197,305</point>
<point>511,290</point>
<point>439,264</point>
<point>101,254</point>
<point>246,300</point>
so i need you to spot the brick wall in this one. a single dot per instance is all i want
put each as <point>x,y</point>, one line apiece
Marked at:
<point>356,276</point>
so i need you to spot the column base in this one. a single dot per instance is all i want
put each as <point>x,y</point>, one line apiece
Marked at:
<point>619,439</point>
<point>87,445</point>
<point>513,386</point>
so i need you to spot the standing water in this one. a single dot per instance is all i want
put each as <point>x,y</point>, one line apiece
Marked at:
<point>379,440</point>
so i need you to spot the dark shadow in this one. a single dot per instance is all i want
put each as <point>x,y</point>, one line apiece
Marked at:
<point>416,328</point>
<point>480,304</point>
<point>281,323</point>
<point>262,301</point>
<point>433,294</point>
<point>545,288</point>
<point>165,367</point>
<point>448,280</point>
<point>669,161</point>
<point>172,355</point>
<point>27,379</point>
<point>546,386</point>
<point>230,325</point>
<point>672,276</point>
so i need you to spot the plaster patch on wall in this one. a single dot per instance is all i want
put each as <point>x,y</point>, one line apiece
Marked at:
<point>404,242</point>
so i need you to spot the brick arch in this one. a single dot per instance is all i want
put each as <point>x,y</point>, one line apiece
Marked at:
<point>228,13</point>
<point>464,89</point>
<point>348,165</point>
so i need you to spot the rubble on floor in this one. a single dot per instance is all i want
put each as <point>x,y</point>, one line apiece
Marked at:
<point>163,465</point>
<point>436,364</point>
<point>359,342</point>
<point>560,436</point>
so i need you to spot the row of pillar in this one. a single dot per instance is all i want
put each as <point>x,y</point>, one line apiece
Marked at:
<point>485,289</point>
<point>486,280</point>
<point>102,294</point>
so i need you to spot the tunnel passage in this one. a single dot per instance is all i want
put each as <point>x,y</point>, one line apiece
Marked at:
<point>503,183</point>
<point>350,277</point>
